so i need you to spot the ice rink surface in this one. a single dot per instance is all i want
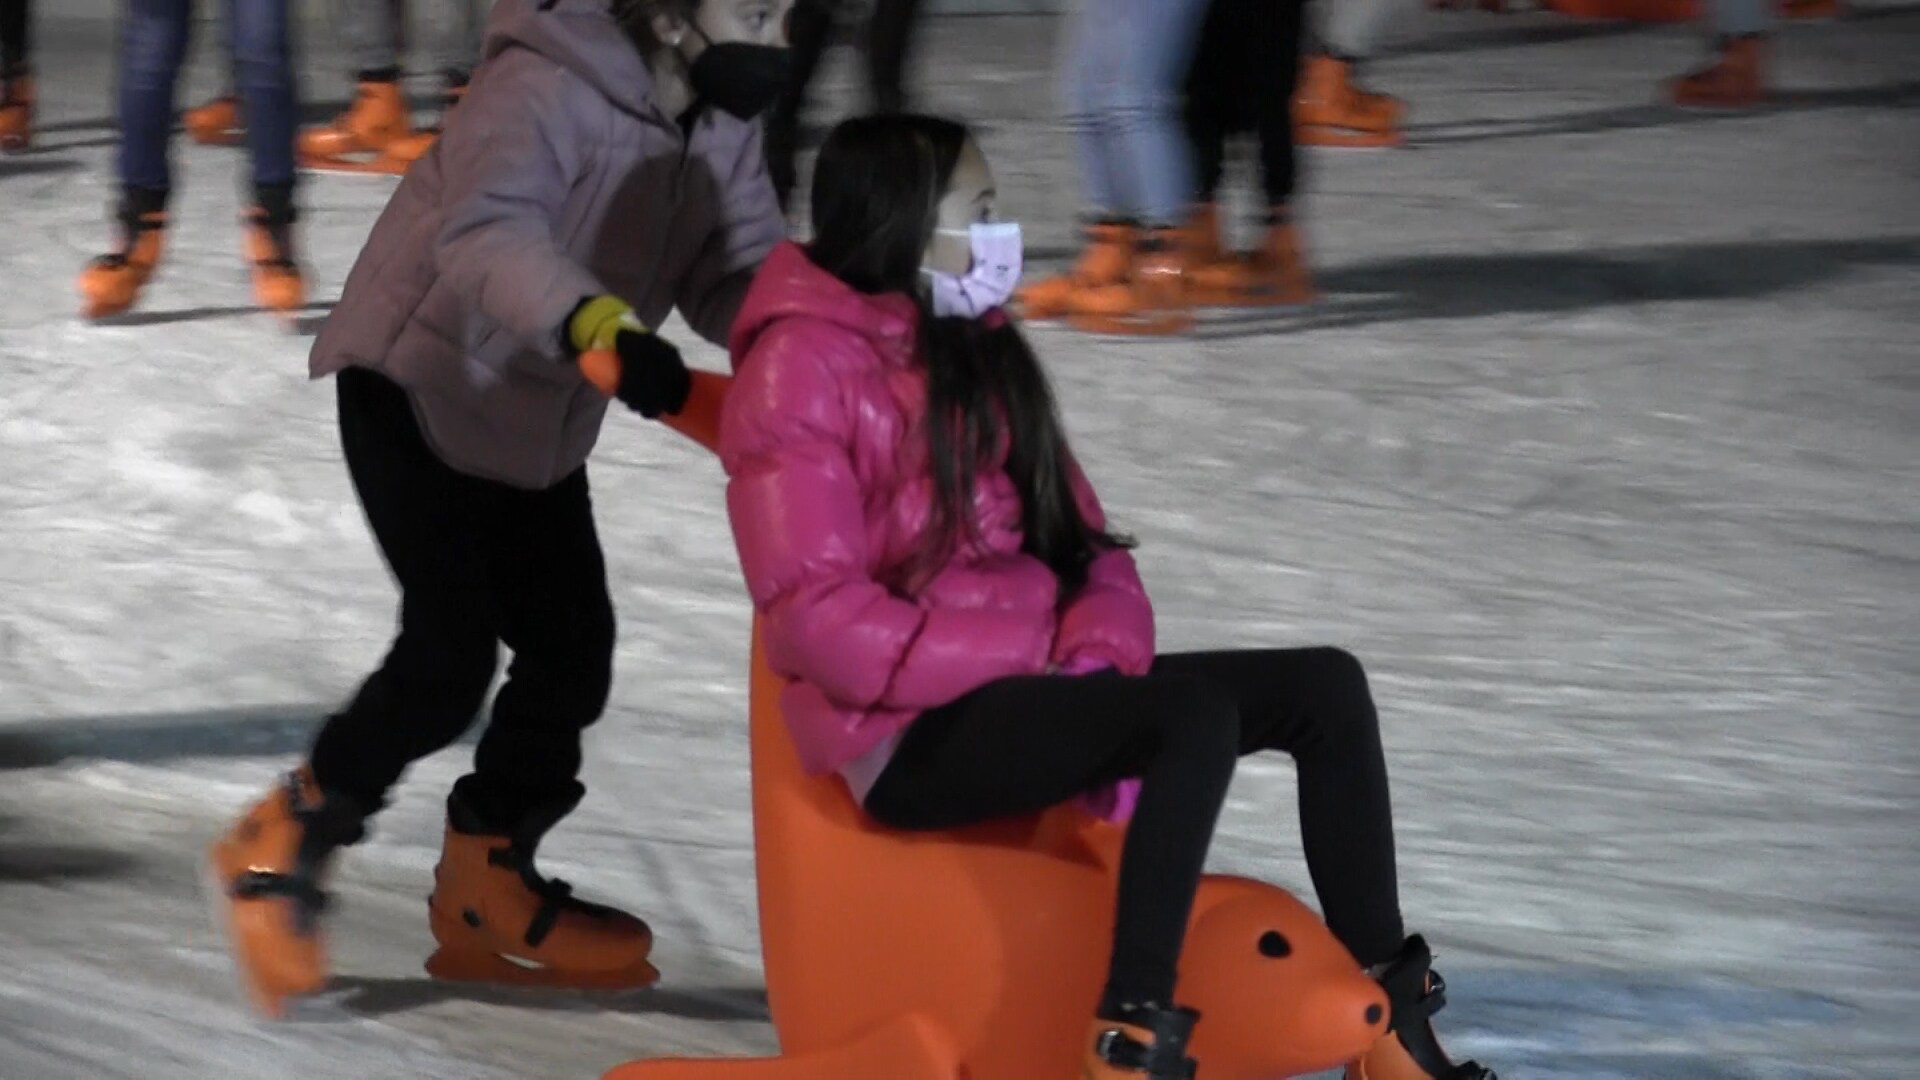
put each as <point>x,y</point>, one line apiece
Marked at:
<point>1603,452</point>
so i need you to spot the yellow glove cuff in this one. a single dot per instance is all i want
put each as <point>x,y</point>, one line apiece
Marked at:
<point>593,327</point>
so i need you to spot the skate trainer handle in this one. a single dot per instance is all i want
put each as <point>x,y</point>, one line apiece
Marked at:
<point>699,420</point>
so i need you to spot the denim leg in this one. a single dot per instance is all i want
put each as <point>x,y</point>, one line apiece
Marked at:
<point>1143,112</point>
<point>1096,54</point>
<point>153,45</point>
<point>263,74</point>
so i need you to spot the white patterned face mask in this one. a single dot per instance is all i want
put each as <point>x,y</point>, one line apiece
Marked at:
<point>989,283</point>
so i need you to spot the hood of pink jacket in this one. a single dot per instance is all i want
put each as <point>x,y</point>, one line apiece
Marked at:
<point>790,287</point>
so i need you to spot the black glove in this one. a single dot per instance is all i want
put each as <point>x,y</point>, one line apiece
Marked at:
<point>653,378</point>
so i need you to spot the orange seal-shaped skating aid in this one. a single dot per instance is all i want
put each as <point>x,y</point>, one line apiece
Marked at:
<point>979,953</point>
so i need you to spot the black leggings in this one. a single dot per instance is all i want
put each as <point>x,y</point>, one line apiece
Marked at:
<point>479,564</point>
<point>1018,746</point>
<point>889,39</point>
<point>15,45</point>
<point>1243,77</point>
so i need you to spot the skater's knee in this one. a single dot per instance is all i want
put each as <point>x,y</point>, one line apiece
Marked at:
<point>1345,711</point>
<point>1194,718</point>
<point>1213,721</point>
<point>1344,675</point>
<point>572,662</point>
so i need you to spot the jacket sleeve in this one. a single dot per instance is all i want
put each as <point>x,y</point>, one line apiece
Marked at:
<point>1109,619</point>
<point>796,503</point>
<point>751,225</point>
<point>507,168</point>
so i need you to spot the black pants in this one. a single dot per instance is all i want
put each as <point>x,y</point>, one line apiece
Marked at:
<point>479,563</point>
<point>1018,746</point>
<point>1243,79</point>
<point>889,39</point>
<point>15,45</point>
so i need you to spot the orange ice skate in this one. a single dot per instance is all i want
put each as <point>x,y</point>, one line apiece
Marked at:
<point>403,152</point>
<point>1105,260</point>
<point>267,874</point>
<point>111,283</point>
<point>1330,110</point>
<point>217,123</point>
<point>497,920</point>
<point>1208,259</point>
<point>1273,275</point>
<point>16,113</point>
<point>278,284</point>
<point>1152,300</point>
<point>359,139</point>
<point>1735,80</point>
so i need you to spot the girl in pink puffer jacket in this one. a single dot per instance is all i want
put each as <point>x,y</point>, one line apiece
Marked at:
<point>962,636</point>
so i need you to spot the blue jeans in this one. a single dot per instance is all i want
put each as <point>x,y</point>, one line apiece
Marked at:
<point>1127,64</point>
<point>153,46</point>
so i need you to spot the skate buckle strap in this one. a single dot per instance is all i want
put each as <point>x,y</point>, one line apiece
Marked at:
<point>1159,1062</point>
<point>309,900</point>
<point>556,896</point>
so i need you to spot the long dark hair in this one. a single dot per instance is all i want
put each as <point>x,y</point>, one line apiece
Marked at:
<point>877,186</point>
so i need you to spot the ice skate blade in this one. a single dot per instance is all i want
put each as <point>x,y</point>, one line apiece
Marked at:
<point>1163,325</point>
<point>383,165</point>
<point>1348,139</point>
<point>1717,106</point>
<point>1254,298</point>
<point>461,965</point>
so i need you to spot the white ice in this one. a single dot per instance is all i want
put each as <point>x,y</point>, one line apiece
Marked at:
<point>1603,451</point>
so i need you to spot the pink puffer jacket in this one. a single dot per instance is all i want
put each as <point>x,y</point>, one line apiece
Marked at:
<point>831,500</point>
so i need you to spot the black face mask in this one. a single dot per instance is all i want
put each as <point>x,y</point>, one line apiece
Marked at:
<point>739,78</point>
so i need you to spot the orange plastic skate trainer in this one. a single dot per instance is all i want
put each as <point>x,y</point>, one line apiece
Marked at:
<point>978,954</point>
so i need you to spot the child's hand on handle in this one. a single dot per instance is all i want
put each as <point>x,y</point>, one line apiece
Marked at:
<point>626,360</point>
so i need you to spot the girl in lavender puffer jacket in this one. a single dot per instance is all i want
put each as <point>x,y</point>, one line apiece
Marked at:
<point>962,636</point>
